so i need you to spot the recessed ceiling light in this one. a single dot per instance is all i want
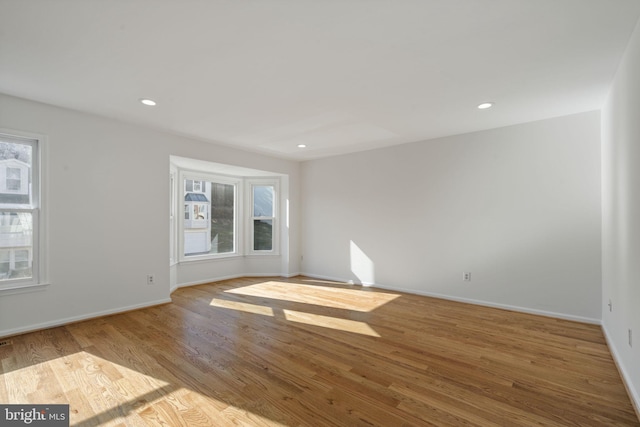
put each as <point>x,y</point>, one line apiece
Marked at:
<point>148,102</point>
<point>302,145</point>
<point>485,105</point>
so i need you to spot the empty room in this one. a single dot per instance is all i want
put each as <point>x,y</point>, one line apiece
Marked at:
<point>319,213</point>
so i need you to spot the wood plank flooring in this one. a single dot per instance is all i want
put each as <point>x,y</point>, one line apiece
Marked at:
<point>303,352</point>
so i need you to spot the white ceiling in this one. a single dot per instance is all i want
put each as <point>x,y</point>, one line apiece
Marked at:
<point>337,75</point>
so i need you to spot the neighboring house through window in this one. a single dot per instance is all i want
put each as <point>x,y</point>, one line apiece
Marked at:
<point>14,179</point>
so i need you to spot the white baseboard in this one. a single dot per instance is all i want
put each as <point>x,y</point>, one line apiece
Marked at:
<point>210,280</point>
<point>466,300</point>
<point>74,319</point>
<point>290,275</point>
<point>332,279</point>
<point>626,378</point>
<point>519,309</point>
<point>229,277</point>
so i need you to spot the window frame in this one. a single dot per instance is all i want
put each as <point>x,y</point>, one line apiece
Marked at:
<point>173,215</point>
<point>250,218</point>
<point>184,175</point>
<point>36,207</point>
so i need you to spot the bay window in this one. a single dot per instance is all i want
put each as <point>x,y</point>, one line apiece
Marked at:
<point>221,216</point>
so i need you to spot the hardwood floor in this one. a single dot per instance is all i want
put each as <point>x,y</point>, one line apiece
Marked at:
<point>302,352</point>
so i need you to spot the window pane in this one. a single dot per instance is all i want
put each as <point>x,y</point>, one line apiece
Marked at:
<point>263,200</point>
<point>15,162</point>
<point>16,240</point>
<point>262,234</point>
<point>222,218</point>
<point>210,225</point>
<point>5,266</point>
<point>22,259</point>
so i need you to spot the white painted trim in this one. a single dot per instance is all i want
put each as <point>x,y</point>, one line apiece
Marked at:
<point>73,319</point>
<point>265,275</point>
<point>210,280</point>
<point>634,396</point>
<point>469,301</point>
<point>290,275</point>
<point>23,289</point>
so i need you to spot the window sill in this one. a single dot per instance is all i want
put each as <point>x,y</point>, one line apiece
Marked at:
<point>22,289</point>
<point>229,257</point>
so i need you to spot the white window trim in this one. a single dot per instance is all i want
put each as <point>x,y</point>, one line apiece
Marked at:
<point>39,215</point>
<point>238,234</point>
<point>259,182</point>
<point>173,216</point>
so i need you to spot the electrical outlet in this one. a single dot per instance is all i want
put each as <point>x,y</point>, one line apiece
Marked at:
<point>150,279</point>
<point>610,306</point>
<point>630,339</point>
<point>466,277</point>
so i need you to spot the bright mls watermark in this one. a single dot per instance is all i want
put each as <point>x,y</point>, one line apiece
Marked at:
<point>34,415</point>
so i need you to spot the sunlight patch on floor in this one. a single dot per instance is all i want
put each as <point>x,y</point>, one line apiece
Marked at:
<point>242,306</point>
<point>123,392</point>
<point>325,296</point>
<point>345,325</point>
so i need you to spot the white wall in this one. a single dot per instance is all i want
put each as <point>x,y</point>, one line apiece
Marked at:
<point>108,194</point>
<point>518,207</point>
<point>621,215</point>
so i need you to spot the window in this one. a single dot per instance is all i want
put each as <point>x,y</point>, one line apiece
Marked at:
<point>263,217</point>
<point>224,211</point>
<point>19,211</point>
<point>210,222</point>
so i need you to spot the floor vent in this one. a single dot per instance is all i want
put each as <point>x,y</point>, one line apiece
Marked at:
<point>5,343</point>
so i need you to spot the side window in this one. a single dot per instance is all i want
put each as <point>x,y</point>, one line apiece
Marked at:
<point>19,204</point>
<point>263,217</point>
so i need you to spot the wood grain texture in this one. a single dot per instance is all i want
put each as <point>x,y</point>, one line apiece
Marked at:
<point>303,352</point>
